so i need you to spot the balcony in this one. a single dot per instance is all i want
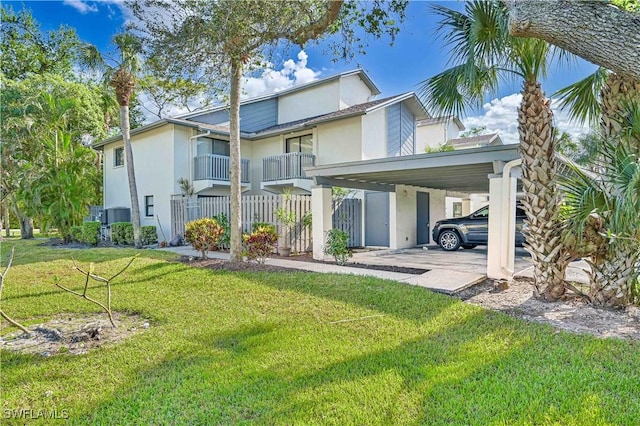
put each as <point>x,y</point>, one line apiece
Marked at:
<point>216,167</point>
<point>286,166</point>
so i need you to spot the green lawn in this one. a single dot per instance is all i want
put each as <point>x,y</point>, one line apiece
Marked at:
<point>239,348</point>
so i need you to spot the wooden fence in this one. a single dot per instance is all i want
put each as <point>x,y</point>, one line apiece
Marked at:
<point>262,208</point>
<point>347,216</point>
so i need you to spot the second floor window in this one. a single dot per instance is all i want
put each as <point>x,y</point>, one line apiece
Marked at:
<point>302,144</point>
<point>118,157</point>
<point>213,146</point>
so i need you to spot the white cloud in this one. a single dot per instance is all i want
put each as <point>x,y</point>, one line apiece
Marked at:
<point>270,80</point>
<point>81,6</point>
<point>501,116</point>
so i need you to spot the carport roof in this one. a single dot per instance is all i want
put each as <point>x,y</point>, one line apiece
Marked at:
<point>465,170</point>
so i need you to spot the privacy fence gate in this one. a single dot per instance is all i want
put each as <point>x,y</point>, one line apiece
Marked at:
<point>347,215</point>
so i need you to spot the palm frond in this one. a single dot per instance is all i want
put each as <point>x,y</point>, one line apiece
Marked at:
<point>454,90</point>
<point>582,98</point>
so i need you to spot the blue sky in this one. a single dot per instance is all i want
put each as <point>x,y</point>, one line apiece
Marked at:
<point>416,55</point>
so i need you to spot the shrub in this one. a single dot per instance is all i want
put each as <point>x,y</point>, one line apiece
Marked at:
<point>122,233</point>
<point>75,234</point>
<point>225,239</point>
<point>255,226</point>
<point>336,246</point>
<point>203,234</point>
<point>260,243</point>
<point>91,233</point>
<point>149,235</point>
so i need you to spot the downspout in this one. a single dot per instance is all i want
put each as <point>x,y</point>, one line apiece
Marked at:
<point>507,195</point>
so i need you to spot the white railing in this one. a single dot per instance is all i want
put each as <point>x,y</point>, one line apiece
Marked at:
<point>286,166</point>
<point>216,167</point>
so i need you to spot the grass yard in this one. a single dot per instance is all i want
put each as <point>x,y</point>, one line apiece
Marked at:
<point>272,348</point>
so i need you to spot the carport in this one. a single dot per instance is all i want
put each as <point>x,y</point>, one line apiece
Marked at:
<point>493,170</point>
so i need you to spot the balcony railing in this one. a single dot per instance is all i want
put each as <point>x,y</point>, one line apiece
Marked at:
<point>216,167</point>
<point>286,166</point>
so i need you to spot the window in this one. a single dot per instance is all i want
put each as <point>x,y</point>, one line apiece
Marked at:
<point>212,146</point>
<point>302,144</point>
<point>148,205</point>
<point>118,157</point>
<point>457,209</point>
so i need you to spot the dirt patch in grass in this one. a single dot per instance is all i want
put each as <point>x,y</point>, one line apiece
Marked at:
<point>73,334</point>
<point>571,314</point>
<point>225,265</point>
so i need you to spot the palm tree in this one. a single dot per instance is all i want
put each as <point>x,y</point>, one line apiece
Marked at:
<point>483,52</point>
<point>122,77</point>
<point>615,101</point>
<point>603,213</point>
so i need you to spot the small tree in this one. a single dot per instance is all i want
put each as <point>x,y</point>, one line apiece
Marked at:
<point>337,246</point>
<point>203,234</point>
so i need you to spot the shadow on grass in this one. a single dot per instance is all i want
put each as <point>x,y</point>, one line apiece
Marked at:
<point>474,372</point>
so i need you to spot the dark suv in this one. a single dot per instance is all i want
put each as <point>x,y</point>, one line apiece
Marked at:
<point>470,231</point>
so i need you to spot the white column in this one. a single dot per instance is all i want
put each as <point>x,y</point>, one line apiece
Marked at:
<point>393,220</point>
<point>497,234</point>
<point>502,223</point>
<point>321,218</point>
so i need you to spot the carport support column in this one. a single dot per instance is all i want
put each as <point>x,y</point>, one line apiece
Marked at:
<point>322,221</point>
<point>500,244</point>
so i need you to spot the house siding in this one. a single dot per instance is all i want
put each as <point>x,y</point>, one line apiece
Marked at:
<point>401,130</point>
<point>255,116</point>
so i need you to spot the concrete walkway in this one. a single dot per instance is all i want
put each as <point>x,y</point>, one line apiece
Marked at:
<point>443,279</point>
<point>449,272</point>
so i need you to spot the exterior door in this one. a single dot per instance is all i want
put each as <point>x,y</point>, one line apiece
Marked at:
<point>376,224</point>
<point>423,225</point>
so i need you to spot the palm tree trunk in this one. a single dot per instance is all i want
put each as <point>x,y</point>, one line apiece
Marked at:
<point>235,221</point>
<point>613,279</point>
<point>613,274</point>
<point>543,236</point>
<point>616,91</point>
<point>131,175</point>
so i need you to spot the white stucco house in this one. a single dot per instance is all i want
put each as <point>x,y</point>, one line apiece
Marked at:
<point>290,139</point>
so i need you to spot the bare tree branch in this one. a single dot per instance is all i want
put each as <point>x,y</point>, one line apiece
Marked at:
<point>2,276</point>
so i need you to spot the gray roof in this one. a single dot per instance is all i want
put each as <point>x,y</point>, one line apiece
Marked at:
<point>480,140</point>
<point>440,120</point>
<point>359,72</point>
<point>351,111</point>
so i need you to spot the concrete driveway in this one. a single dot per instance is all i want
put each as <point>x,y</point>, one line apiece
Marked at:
<point>434,258</point>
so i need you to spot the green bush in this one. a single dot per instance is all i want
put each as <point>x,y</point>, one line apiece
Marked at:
<point>122,233</point>
<point>336,246</point>
<point>91,233</point>
<point>203,234</point>
<point>225,239</point>
<point>75,234</point>
<point>260,243</point>
<point>149,235</point>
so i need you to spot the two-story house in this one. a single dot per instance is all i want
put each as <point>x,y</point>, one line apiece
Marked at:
<point>332,120</point>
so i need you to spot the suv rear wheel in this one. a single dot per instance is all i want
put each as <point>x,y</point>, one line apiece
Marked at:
<point>449,240</point>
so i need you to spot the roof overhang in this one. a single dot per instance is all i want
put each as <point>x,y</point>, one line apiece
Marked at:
<point>464,170</point>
